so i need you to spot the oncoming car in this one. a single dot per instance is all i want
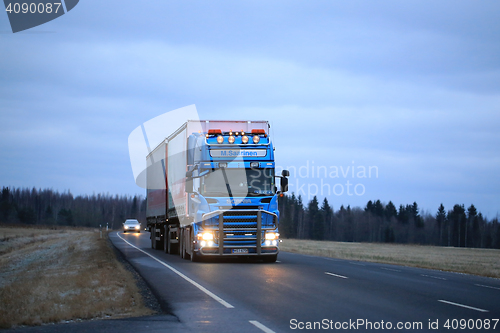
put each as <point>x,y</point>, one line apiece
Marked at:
<point>131,225</point>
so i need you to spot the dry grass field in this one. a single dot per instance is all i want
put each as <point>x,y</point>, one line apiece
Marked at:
<point>484,262</point>
<point>50,276</point>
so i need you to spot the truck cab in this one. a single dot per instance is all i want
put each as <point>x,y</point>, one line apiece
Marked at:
<point>232,193</point>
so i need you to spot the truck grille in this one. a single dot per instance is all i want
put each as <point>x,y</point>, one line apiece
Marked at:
<point>240,225</point>
<point>234,219</point>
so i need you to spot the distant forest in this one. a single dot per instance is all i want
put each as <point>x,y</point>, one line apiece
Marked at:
<point>376,222</point>
<point>379,222</point>
<point>49,207</point>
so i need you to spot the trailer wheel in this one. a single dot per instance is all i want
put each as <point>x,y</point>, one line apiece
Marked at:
<point>158,243</point>
<point>152,236</point>
<point>172,248</point>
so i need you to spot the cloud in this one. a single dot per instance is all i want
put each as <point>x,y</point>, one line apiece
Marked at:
<point>411,87</point>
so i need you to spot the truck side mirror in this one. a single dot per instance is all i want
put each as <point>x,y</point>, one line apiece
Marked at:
<point>284,184</point>
<point>285,173</point>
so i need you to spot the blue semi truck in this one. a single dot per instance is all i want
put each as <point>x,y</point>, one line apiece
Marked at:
<point>212,191</point>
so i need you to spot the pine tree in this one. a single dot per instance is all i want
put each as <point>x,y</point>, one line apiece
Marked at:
<point>315,219</point>
<point>440,221</point>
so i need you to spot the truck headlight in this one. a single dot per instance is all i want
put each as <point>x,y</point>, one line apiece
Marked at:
<point>206,236</point>
<point>220,139</point>
<point>272,236</point>
<point>244,139</point>
<point>231,139</point>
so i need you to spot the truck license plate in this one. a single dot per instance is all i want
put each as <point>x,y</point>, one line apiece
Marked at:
<point>240,250</point>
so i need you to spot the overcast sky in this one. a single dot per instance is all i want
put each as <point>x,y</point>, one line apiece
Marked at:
<point>408,88</point>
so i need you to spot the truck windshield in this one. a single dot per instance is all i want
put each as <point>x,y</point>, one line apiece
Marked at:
<point>242,182</point>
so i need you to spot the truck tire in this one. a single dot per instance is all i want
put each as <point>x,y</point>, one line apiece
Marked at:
<point>183,244</point>
<point>158,244</point>
<point>195,257</point>
<point>152,236</point>
<point>165,240</point>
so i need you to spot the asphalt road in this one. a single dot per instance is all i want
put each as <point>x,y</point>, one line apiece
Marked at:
<point>309,292</point>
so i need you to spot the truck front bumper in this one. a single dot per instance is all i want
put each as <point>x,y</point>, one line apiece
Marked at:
<point>240,232</point>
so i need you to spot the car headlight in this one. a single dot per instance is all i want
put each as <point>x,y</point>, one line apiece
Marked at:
<point>272,235</point>
<point>137,227</point>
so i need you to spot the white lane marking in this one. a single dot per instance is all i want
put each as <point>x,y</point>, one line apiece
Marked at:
<point>390,269</point>
<point>340,276</point>
<point>355,263</point>
<point>278,261</point>
<point>482,285</point>
<point>206,291</point>
<point>262,327</point>
<point>463,306</point>
<point>433,277</point>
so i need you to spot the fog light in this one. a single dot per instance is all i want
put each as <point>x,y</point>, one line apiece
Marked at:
<point>256,139</point>
<point>231,139</point>
<point>203,243</point>
<point>244,139</point>
<point>220,139</point>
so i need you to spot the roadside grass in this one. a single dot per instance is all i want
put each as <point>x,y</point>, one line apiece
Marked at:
<point>483,262</point>
<point>51,276</point>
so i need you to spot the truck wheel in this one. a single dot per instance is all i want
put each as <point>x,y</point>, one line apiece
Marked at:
<point>182,244</point>
<point>165,240</point>
<point>158,244</point>
<point>195,257</point>
<point>171,247</point>
<point>152,236</point>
